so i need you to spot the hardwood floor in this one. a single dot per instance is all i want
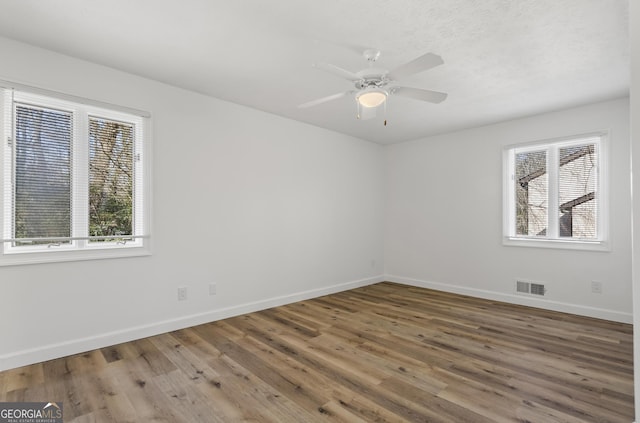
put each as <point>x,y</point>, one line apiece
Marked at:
<point>385,352</point>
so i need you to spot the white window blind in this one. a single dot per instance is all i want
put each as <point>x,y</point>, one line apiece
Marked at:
<point>42,174</point>
<point>578,191</point>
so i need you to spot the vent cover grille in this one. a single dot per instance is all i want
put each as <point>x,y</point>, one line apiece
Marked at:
<point>537,289</point>
<point>523,287</point>
<point>530,288</point>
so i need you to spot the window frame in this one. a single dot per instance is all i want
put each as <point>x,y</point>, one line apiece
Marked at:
<point>602,241</point>
<point>80,247</point>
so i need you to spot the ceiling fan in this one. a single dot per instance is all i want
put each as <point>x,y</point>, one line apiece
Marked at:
<point>374,85</point>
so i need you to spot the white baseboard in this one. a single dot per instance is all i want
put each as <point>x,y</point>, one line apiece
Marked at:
<point>545,304</point>
<point>49,352</point>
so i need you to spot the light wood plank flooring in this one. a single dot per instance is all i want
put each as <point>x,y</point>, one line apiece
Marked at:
<point>382,353</point>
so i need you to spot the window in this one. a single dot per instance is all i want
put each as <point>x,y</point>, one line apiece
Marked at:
<point>554,194</point>
<point>73,180</point>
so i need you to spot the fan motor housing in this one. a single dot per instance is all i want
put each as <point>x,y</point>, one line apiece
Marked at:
<point>376,82</point>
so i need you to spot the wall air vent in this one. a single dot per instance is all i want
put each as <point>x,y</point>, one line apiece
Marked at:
<point>524,287</point>
<point>530,288</point>
<point>538,289</point>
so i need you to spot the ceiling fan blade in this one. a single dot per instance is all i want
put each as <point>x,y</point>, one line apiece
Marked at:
<point>338,71</point>
<point>367,113</point>
<point>323,100</point>
<point>422,63</point>
<point>419,94</point>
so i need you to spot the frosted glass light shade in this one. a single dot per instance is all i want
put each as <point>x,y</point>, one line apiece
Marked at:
<point>372,98</point>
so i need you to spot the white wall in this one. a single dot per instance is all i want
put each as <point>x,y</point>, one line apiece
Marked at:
<point>269,209</point>
<point>634,26</point>
<point>444,217</point>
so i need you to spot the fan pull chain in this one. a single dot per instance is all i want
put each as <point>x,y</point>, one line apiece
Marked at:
<point>385,112</point>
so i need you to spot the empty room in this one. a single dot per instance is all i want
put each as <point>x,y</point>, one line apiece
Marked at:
<point>305,211</point>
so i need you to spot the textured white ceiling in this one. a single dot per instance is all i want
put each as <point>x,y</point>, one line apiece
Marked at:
<point>503,58</point>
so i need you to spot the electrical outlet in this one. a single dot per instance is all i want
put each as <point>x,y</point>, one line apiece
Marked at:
<point>182,293</point>
<point>596,287</point>
<point>212,289</point>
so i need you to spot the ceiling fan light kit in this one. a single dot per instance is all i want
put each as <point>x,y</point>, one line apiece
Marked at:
<point>373,86</point>
<point>371,97</point>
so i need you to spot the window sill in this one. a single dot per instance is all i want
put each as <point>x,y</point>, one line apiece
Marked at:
<point>601,246</point>
<point>16,259</point>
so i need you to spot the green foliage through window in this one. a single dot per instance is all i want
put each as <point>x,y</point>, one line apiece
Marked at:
<point>110,178</point>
